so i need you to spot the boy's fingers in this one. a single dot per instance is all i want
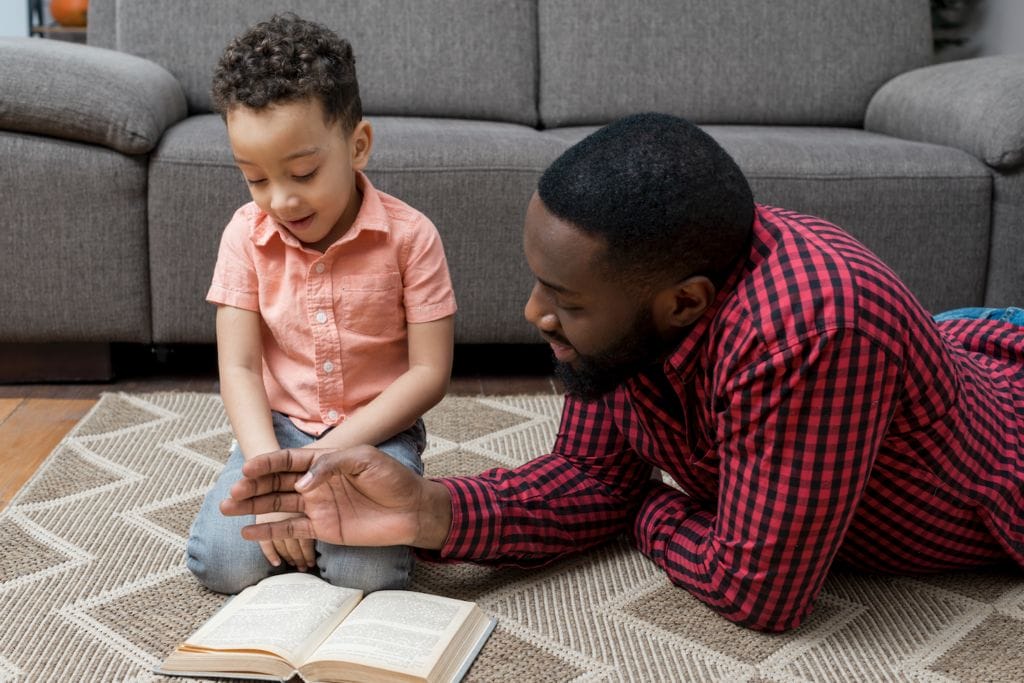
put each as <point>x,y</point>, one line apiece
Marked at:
<point>296,527</point>
<point>269,551</point>
<point>308,552</point>
<point>271,502</point>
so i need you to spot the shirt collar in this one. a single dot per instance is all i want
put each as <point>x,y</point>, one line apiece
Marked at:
<point>372,216</point>
<point>684,359</point>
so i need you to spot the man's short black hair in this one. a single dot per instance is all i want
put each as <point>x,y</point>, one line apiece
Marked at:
<point>667,200</point>
<point>287,59</point>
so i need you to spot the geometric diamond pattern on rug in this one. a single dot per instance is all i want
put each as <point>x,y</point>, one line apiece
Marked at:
<point>113,597</point>
<point>674,610</point>
<point>173,609</point>
<point>67,473</point>
<point>177,517</point>
<point>992,651</point>
<point>119,414</point>
<point>216,447</point>
<point>460,419</point>
<point>984,585</point>
<point>23,555</point>
<point>458,464</point>
<point>505,657</point>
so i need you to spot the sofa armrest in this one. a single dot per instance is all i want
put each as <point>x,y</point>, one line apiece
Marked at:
<point>87,94</point>
<point>976,105</point>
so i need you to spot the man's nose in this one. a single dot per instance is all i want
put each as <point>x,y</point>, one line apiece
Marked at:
<point>538,313</point>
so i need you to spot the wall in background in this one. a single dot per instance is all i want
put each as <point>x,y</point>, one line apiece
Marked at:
<point>13,18</point>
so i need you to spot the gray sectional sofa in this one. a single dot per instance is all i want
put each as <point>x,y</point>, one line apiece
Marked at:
<point>116,179</point>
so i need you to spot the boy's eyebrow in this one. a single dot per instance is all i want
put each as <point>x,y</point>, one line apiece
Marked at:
<point>294,155</point>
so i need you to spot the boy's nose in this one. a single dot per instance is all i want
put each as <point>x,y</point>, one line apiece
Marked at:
<point>283,199</point>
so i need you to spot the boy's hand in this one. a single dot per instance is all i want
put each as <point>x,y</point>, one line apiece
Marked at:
<point>296,552</point>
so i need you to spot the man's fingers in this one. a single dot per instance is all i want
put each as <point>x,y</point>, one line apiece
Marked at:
<point>296,527</point>
<point>252,487</point>
<point>287,460</point>
<point>271,502</point>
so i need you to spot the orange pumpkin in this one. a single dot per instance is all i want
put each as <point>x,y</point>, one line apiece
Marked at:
<point>69,12</point>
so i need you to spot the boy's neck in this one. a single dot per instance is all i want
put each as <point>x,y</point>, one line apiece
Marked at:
<point>345,222</point>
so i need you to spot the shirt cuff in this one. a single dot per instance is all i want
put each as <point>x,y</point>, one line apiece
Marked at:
<point>663,510</point>
<point>230,297</point>
<point>476,519</point>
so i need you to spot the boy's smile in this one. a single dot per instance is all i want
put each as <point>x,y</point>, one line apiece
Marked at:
<point>301,167</point>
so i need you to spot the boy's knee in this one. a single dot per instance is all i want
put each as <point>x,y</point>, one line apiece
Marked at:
<point>225,572</point>
<point>368,569</point>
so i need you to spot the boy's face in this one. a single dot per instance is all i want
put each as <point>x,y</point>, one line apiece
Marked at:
<point>300,168</point>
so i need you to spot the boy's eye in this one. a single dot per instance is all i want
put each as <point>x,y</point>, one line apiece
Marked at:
<point>307,176</point>
<point>257,181</point>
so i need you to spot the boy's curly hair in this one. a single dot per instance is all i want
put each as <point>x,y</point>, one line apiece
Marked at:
<point>286,59</point>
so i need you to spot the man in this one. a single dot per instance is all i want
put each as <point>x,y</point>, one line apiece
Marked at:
<point>809,407</point>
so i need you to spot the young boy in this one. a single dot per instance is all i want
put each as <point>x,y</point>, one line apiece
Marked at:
<point>335,306</point>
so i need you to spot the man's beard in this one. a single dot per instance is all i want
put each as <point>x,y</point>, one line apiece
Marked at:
<point>637,350</point>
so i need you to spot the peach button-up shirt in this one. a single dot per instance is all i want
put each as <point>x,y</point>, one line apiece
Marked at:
<point>334,324</point>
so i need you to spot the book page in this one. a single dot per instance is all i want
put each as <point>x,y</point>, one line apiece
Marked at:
<point>399,630</point>
<point>287,615</point>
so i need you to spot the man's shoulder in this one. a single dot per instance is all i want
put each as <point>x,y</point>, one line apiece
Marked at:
<point>808,276</point>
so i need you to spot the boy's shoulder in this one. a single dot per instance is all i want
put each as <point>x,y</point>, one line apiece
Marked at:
<point>399,214</point>
<point>249,221</point>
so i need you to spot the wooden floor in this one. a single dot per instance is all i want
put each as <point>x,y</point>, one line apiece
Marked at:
<point>35,417</point>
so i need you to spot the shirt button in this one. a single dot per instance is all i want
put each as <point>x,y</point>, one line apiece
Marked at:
<point>321,317</point>
<point>333,415</point>
<point>328,366</point>
<point>320,267</point>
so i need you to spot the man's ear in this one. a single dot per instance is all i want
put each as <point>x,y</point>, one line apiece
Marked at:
<point>681,304</point>
<point>360,143</point>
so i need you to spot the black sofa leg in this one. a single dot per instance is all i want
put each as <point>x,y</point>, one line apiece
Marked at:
<point>55,362</point>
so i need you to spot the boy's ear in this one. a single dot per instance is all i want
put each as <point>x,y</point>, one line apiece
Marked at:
<point>360,143</point>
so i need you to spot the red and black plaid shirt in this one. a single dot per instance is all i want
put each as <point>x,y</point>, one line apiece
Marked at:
<point>816,413</point>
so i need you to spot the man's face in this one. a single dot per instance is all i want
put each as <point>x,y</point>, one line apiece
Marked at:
<point>599,329</point>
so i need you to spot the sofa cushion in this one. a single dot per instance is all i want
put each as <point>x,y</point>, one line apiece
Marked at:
<point>976,105</point>
<point>728,61</point>
<point>924,209</point>
<point>472,178</point>
<point>73,243</point>
<point>88,94</point>
<point>460,58</point>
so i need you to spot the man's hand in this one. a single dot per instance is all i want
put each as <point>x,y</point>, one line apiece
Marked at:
<point>296,552</point>
<point>358,496</point>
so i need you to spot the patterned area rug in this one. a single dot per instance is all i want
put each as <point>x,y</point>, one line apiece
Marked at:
<point>93,585</point>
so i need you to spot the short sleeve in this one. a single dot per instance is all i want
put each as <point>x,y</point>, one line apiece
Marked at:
<point>234,277</point>
<point>427,285</point>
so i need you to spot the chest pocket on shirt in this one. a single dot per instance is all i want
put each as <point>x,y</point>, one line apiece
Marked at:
<point>372,304</point>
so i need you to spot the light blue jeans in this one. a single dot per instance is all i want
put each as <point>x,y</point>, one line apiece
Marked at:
<point>225,562</point>
<point>1010,315</point>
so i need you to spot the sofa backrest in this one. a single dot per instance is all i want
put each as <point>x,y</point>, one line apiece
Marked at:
<point>443,58</point>
<point>567,62</point>
<point>725,61</point>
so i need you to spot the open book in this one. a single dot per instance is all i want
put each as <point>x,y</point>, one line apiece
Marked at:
<point>296,624</point>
